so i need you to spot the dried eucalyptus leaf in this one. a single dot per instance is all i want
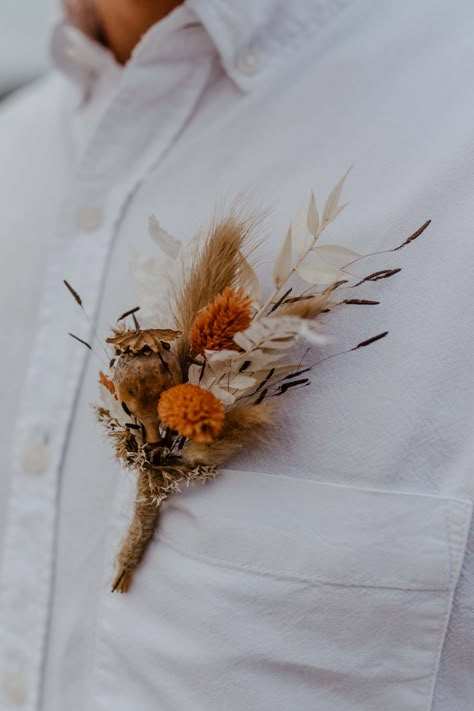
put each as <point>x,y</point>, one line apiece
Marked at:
<point>299,232</point>
<point>249,280</point>
<point>319,273</point>
<point>313,217</point>
<point>332,207</point>
<point>339,209</point>
<point>336,254</point>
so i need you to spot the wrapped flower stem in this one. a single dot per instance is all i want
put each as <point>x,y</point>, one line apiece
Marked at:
<point>139,534</point>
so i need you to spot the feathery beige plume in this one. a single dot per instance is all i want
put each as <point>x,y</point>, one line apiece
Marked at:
<point>216,263</point>
<point>243,425</point>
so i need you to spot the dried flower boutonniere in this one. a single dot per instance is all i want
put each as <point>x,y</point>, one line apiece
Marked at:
<point>181,397</point>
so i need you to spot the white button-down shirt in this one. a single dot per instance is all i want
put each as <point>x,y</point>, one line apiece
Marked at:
<point>333,569</point>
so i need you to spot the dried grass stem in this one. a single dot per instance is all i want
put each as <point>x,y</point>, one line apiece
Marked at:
<point>139,535</point>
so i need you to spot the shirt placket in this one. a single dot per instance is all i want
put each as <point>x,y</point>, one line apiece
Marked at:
<point>129,140</point>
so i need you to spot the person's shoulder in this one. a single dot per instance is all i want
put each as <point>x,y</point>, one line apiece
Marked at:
<point>32,112</point>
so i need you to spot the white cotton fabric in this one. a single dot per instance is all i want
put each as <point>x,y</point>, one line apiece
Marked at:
<point>281,606</point>
<point>334,568</point>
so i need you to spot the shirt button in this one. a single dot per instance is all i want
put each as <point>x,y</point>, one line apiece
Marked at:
<point>15,688</point>
<point>249,62</point>
<point>36,456</point>
<point>90,218</point>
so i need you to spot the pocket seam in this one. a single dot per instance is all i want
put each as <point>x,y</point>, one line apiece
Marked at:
<point>283,575</point>
<point>456,537</point>
<point>407,568</point>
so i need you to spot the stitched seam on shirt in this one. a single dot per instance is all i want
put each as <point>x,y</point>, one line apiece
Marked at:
<point>444,619</point>
<point>284,575</point>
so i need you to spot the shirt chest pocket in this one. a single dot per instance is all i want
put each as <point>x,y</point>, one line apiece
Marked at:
<point>264,592</point>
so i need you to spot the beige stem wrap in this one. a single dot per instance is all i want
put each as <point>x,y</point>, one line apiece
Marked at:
<point>139,535</point>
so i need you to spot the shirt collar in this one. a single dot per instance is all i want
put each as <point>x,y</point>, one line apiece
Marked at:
<point>254,38</point>
<point>78,56</point>
<point>251,38</point>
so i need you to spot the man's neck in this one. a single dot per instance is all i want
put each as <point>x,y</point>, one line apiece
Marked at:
<point>124,22</point>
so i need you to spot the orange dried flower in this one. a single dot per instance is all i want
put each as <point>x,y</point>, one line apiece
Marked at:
<point>107,383</point>
<point>216,325</point>
<point>192,411</point>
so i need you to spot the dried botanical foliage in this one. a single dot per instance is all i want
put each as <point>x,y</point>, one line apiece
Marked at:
<point>139,380</point>
<point>192,412</point>
<point>106,382</point>
<point>179,402</point>
<point>216,325</point>
<point>153,487</point>
<point>214,264</point>
<point>154,339</point>
<point>308,307</point>
<point>244,425</point>
<point>139,534</point>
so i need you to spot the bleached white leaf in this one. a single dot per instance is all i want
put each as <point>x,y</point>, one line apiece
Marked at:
<point>313,216</point>
<point>223,356</point>
<point>231,375</point>
<point>270,336</point>
<point>243,340</point>
<point>222,376</point>
<point>282,268</point>
<point>206,379</point>
<point>153,278</point>
<point>338,255</point>
<point>309,333</point>
<point>332,207</point>
<point>194,374</point>
<point>260,337</point>
<point>299,232</point>
<point>241,382</point>
<point>226,397</point>
<point>166,242</point>
<point>249,280</point>
<point>339,209</point>
<point>319,273</point>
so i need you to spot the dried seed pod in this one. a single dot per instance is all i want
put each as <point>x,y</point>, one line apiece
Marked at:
<point>139,379</point>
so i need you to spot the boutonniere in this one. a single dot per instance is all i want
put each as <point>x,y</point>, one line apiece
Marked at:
<point>202,375</point>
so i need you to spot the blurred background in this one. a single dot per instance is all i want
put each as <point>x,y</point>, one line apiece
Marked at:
<point>24,35</point>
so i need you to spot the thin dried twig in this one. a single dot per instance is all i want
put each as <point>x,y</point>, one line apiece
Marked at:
<point>128,313</point>
<point>84,343</point>
<point>74,293</point>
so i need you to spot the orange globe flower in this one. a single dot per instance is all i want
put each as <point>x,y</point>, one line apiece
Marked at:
<point>192,411</point>
<point>216,325</point>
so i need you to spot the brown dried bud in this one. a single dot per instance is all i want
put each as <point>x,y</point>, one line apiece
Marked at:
<point>139,381</point>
